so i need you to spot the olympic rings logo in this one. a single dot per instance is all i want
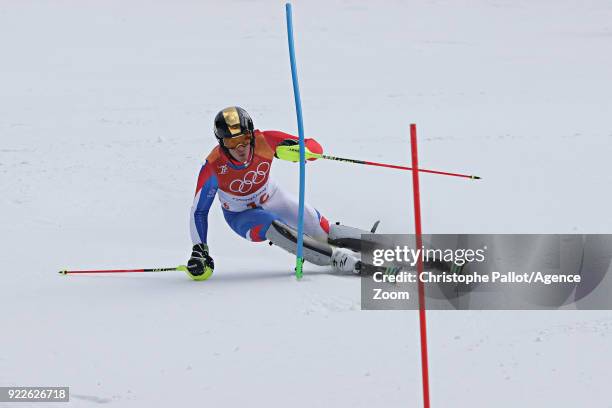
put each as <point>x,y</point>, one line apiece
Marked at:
<point>251,179</point>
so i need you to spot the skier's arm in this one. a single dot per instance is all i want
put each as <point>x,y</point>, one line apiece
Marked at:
<point>201,265</point>
<point>204,196</point>
<point>277,139</point>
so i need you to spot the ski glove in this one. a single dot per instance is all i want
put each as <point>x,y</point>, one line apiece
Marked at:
<point>289,149</point>
<point>200,266</point>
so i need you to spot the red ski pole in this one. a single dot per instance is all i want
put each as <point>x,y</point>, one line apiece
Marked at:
<point>311,155</point>
<point>177,268</point>
<point>394,166</point>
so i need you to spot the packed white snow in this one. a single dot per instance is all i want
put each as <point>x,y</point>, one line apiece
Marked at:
<point>106,113</point>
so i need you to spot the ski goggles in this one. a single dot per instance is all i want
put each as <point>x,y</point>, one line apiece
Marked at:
<point>239,140</point>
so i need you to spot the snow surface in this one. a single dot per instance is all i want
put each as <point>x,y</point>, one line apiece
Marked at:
<point>105,116</point>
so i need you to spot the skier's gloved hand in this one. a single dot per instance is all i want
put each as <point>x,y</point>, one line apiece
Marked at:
<point>200,266</point>
<point>289,142</point>
<point>289,149</point>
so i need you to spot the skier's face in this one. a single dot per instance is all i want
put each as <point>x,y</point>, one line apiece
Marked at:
<point>241,153</point>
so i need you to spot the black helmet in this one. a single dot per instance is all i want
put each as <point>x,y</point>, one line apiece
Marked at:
<point>232,121</point>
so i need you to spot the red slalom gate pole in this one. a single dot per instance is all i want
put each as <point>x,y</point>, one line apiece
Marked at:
<point>419,244</point>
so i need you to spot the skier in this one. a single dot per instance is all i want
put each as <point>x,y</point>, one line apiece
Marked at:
<point>254,206</point>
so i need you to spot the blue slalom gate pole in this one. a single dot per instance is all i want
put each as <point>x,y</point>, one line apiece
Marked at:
<point>299,261</point>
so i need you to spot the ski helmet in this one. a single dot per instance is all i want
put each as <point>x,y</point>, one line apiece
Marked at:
<point>231,122</point>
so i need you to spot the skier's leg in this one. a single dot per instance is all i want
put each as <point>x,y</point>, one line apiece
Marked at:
<point>286,207</point>
<point>250,224</point>
<point>258,224</point>
<point>314,251</point>
<point>347,237</point>
<point>282,235</point>
<point>315,225</point>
